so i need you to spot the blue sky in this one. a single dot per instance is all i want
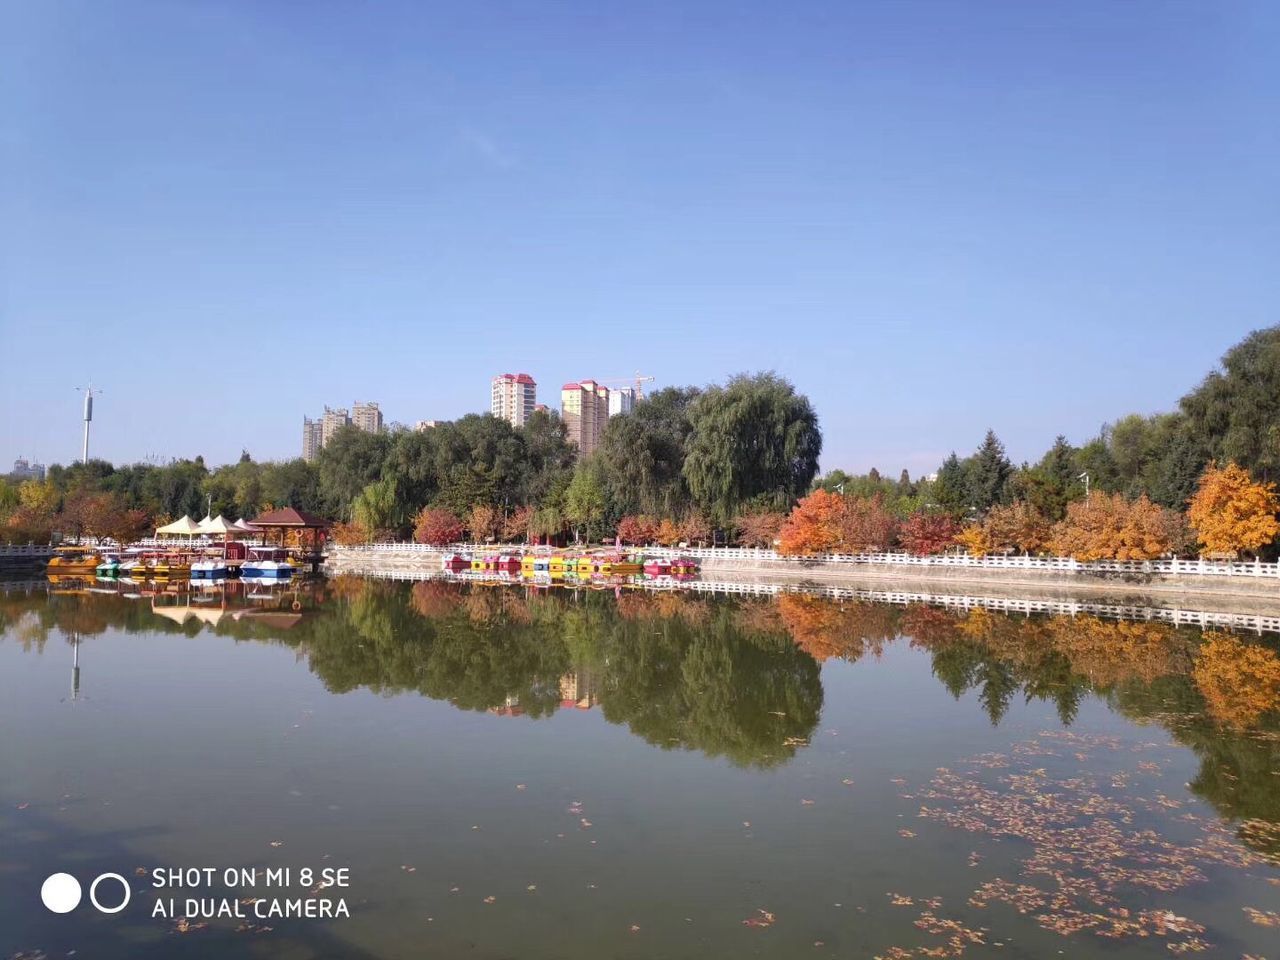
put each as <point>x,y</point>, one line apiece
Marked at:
<point>932,217</point>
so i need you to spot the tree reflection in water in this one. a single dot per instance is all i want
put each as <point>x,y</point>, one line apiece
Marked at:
<point>732,677</point>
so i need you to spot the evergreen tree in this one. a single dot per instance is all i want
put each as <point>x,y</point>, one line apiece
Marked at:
<point>950,492</point>
<point>988,474</point>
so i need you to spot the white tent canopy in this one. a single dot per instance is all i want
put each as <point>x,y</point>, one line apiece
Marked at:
<point>184,527</point>
<point>217,525</point>
<point>244,525</point>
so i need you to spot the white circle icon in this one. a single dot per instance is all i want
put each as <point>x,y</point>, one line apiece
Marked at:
<point>93,892</point>
<point>60,892</point>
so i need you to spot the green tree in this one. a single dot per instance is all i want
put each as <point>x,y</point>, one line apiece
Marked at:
<point>377,509</point>
<point>350,461</point>
<point>754,440</point>
<point>988,474</point>
<point>951,489</point>
<point>643,454</point>
<point>585,501</point>
<point>1235,412</point>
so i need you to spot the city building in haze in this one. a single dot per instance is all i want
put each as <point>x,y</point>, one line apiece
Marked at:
<point>367,417</point>
<point>426,425</point>
<point>312,438</point>
<point>584,408</point>
<point>332,422</point>
<point>513,397</point>
<point>621,400</point>
<point>25,470</point>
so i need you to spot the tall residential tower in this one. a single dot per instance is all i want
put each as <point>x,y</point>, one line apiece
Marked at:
<point>584,409</point>
<point>513,397</point>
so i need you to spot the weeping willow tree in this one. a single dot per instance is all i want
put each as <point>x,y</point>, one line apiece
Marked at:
<point>754,440</point>
<point>376,507</point>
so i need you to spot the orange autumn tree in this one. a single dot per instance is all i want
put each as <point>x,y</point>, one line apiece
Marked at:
<point>351,534</point>
<point>485,522</point>
<point>1018,526</point>
<point>813,526</point>
<point>1240,682</point>
<point>667,534</point>
<point>1109,527</point>
<point>1231,512</point>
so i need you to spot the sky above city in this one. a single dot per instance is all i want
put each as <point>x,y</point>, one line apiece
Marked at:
<point>933,218</point>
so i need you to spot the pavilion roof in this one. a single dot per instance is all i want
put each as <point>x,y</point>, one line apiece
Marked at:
<point>290,517</point>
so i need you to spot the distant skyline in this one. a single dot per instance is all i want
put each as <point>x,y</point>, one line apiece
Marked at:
<point>933,218</point>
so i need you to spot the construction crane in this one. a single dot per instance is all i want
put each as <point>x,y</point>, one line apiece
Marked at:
<point>637,382</point>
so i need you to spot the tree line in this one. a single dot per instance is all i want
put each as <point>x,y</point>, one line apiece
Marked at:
<point>726,463</point>
<point>696,456</point>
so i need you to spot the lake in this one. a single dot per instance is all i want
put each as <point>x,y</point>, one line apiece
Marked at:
<point>505,772</point>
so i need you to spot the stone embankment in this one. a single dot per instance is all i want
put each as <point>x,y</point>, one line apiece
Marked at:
<point>1247,587</point>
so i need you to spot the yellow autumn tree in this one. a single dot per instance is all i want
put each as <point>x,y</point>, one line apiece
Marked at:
<point>1231,512</point>
<point>974,539</point>
<point>1240,682</point>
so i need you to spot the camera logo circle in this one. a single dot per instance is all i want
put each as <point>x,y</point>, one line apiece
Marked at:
<point>93,890</point>
<point>61,892</point>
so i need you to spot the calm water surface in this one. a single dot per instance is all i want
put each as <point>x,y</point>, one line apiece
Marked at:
<point>584,775</point>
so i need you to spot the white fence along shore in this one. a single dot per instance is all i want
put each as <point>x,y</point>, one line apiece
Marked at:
<point>1169,567</point>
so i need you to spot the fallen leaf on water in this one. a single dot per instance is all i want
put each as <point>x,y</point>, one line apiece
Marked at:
<point>531,887</point>
<point>519,786</point>
<point>490,899</point>
<point>807,803</point>
<point>847,782</point>
<point>277,843</point>
<point>763,918</point>
<point>906,833</point>
<point>1263,918</point>
<point>635,928</point>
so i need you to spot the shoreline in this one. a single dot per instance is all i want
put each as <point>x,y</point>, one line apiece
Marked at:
<point>1243,594</point>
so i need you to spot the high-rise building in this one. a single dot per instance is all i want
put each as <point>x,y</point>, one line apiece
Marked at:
<point>312,438</point>
<point>426,425</point>
<point>331,423</point>
<point>512,397</point>
<point>584,408</point>
<point>367,417</point>
<point>621,400</point>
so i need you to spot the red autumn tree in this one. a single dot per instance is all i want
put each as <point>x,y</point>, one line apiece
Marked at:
<point>927,533</point>
<point>516,527</point>
<point>436,526</point>
<point>866,526</point>
<point>760,528</point>
<point>637,529</point>
<point>695,529</point>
